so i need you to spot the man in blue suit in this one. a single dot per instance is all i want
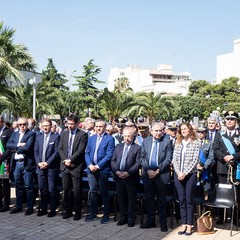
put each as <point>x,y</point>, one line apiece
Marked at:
<point>98,157</point>
<point>48,163</point>
<point>156,156</point>
<point>125,166</point>
<point>23,165</point>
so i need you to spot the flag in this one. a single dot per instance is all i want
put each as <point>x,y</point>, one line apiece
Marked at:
<point>1,148</point>
<point>1,152</point>
<point>204,175</point>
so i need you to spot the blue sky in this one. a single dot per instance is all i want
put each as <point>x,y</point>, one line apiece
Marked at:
<point>189,34</point>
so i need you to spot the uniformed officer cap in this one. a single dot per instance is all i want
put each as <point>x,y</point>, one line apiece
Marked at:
<point>231,114</point>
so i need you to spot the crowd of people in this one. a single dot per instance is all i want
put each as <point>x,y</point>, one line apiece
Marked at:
<point>196,154</point>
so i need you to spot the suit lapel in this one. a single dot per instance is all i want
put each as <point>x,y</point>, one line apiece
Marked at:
<point>160,149</point>
<point>49,140</point>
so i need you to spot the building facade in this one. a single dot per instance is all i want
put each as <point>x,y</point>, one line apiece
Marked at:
<point>228,65</point>
<point>161,79</point>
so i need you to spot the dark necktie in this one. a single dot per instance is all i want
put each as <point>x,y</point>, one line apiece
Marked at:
<point>124,158</point>
<point>153,161</point>
<point>70,145</point>
<point>211,136</point>
<point>229,134</point>
<point>44,148</point>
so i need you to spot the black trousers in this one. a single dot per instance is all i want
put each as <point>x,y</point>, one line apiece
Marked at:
<point>126,195</point>
<point>155,187</point>
<point>72,192</point>
<point>4,193</point>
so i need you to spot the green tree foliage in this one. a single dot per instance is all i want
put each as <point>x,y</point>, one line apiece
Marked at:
<point>121,84</point>
<point>13,57</point>
<point>204,98</point>
<point>196,87</point>
<point>154,107</point>
<point>112,105</point>
<point>19,100</point>
<point>86,85</point>
<point>56,82</point>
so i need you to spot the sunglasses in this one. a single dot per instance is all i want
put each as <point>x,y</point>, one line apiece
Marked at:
<point>22,124</point>
<point>230,119</point>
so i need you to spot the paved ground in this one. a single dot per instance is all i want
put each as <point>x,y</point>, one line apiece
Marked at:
<point>18,226</point>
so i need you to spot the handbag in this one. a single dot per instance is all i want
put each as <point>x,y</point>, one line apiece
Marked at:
<point>205,223</point>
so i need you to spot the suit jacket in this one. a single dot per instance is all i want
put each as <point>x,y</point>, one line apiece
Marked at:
<point>27,151</point>
<point>78,150</point>
<point>220,151</point>
<point>132,162</point>
<point>6,134</point>
<point>164,157</point>
<point>104,153</point>
<point>207,149</point>
<point>52,156</point>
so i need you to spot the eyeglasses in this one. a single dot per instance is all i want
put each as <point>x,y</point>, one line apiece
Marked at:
<point>22,124</point>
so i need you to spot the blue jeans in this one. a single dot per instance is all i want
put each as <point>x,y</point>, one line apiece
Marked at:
<point>23,178</point>
<point>98,182</point>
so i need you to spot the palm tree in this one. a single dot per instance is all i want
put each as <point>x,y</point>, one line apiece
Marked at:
<point>19,100</point>
<point>121,83</point>
<point>155,107</point>
<point>112,105</point>
<point>13,57</point>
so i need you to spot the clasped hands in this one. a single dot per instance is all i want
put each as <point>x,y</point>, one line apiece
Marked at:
<point>181,176</point>
<point>93,168</point>
<point>152,173</point>
<point>228,158</point>
<point>68,163</point>
<point>122,174</point>
<point>43,165</point>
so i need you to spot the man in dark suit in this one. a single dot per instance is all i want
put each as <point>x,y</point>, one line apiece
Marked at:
<point>125,166</point>
<point>212,123</point>
<point>5,134</point>
<point>48,163</point>
<point>98,157</point>
<point>156,156</point>
<point>23,165</point>
<point>227,151</point>
<point>71,150</point>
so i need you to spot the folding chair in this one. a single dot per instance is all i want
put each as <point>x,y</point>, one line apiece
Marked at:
<point>224,196</point>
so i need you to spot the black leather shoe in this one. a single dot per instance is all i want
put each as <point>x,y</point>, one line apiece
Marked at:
<point>67,215</point>
<point>5,209</point>
<point>41,213</point>
<point>76,217</point>
<point>51,214</point>
<point>15,210</point>
<point>164,228</point>
<point>122,222</point>
<point>148,225</point>
<point>28,212</point>
<point>131,223</point>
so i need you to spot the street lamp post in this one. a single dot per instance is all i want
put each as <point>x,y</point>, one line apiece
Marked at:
<point>69,109</point>
<point>33,82</point>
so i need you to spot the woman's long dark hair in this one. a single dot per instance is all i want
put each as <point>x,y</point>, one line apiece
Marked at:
<point>192,134</point>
